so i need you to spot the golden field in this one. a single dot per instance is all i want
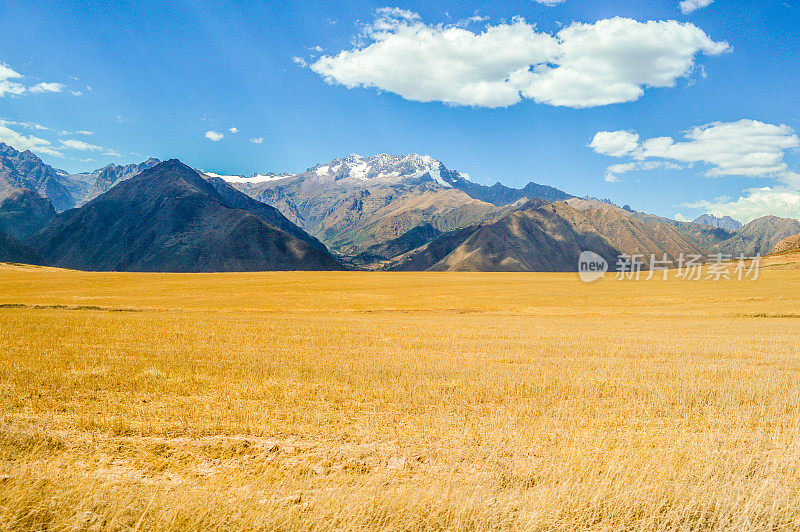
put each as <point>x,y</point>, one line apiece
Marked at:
<point>322,401</point>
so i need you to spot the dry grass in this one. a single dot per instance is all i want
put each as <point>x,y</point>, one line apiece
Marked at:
<point>397,401</point>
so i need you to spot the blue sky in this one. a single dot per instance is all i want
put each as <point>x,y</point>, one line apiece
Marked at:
<point>151,78</point>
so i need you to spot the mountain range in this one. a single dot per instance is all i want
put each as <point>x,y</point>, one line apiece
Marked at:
<point>383,212</point>
<point>169,218</point>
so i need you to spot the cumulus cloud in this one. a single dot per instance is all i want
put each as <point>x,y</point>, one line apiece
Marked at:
<point>583,65</point>
<point>46,87</point>
<point>550,2</point>
<point>742,148</point>
<point>214,136</point>
<point>779,200</point>
<point>257,140</point>
<point>615,143</point>
<point>27,142</point>
<point>746,148</point>
<point>7,86</point>
<point>80,145</point>
<point>614,171</point>
<point>690,6</point>
<point>234,130</point>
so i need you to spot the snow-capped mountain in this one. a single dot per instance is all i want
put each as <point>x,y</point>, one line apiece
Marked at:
<point>388,168</point>
<point>360,170</point>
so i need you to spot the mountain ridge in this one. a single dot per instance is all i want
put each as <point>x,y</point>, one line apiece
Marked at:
<point>169,218</point>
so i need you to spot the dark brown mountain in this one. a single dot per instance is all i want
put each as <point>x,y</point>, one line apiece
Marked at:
<point>408,241</point>
<point>12,250</point>
<point>102,180</point>
<point>169,218</point>
<point>427,255</point>
<point>238,200</point>
<point>551,237</point>
<point>546,238</point>
<point>24,213</point>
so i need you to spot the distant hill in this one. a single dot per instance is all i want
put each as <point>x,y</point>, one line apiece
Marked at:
<point>760,236</point>
<point>169,218</point>
<point>102,180</point>
<point>726,222</point>
<point>431,253</point>
<point>548,237</point>
<point>789,244</point>
<point>24,213</point>
<point>24,170</point>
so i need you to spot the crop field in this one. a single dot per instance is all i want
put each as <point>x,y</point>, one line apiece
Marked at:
<point>340,401</point>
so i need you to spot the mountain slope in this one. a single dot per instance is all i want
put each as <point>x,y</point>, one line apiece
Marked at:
<point>238,200</point>
<point>789,244</point>
<point>102,180</point>
<point>169,218</point>
<point>23,213</point>
<point>25,170</point>
<point>541,239</point>
<point>629,235</point>
<point>425,256</point>
<point>356,202</point>
<point>551,237</point>
<point>11,250</point>
<point>760,236</point>
<point>726,222</point>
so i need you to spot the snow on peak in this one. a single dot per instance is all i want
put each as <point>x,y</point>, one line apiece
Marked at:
<point>383,167</point>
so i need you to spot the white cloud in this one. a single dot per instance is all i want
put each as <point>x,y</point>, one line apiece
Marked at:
<point>550,2</point>
<point>681,218</point>
<point>615,143</point>
<point>257,140</point>
<point>16,88</point>
<point>781,201</point>
<point>214,136</point>
<point>23,142</point>
<point>27,125</point>
<point>742,148</point>
<point>746,148</point>
<point>76,93</point>
<point>6,86</point>
<point>80,145</point>
<point>234,130</point>
<point>583,65</point>
<point>84,132</point>
<point>39,88</point>
<point>615,170</point>
<point>690,6</point>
